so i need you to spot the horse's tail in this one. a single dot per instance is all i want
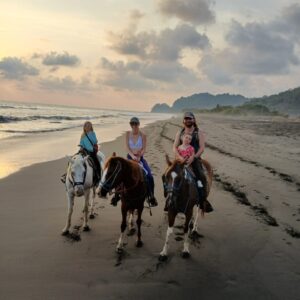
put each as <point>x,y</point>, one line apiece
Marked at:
<point>209,172</point>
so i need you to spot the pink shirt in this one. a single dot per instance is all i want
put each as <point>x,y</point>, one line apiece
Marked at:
<point>188,152</point>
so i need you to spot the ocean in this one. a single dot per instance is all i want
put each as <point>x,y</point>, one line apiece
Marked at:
<point>33,133</point>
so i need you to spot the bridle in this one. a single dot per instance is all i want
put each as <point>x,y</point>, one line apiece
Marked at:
<point>173,191</point>
<point>76,183</point>
<point>109,186</point>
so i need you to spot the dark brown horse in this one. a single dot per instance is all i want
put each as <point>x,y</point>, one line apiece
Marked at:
<point>127,178</point>
<point>182,195</point>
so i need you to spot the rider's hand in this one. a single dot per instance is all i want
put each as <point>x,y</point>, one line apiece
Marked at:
<point>190,160</point>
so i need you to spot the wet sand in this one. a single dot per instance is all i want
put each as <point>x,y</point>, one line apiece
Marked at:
<point>249,248</point>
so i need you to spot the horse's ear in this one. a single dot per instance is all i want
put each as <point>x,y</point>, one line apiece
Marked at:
<point>168,160</point>
<point>114,154</point>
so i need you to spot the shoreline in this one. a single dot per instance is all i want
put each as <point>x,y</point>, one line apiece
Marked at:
<point>11,166</point>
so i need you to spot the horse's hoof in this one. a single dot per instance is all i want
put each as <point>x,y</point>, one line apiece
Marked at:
<point>131,232</point>
<point>75,237</point>
<point>185,254</point>
<point>194,235</point>
<point>92,216</point>
<point>139,244</point>
<point>65,232</point>
<point>119,250</point>
<point>86,228</point>
<point>163,258</point>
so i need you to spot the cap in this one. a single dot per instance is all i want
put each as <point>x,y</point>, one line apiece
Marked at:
<point>189,114</point>
<point>134,120</point>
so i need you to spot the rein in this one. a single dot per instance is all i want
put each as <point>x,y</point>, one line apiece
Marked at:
<point>119,189</point>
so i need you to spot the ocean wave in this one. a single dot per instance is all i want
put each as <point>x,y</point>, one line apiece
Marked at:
<point>9,119</point>
<point>40,130</point>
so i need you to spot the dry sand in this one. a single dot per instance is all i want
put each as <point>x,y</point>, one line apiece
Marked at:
<point>250,244</point>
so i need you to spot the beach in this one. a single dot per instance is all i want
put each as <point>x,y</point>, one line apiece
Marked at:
<point>248,247</point>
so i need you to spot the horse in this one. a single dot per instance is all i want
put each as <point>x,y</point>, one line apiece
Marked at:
<point>127,178</point>
<point>182,194</point>
<point>79,182</point>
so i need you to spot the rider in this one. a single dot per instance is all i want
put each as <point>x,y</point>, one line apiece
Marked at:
<point>136,147</point>
<point>89,144</point>
<point>198,143</point>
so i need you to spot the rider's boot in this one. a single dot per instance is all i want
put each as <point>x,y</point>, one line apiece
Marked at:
<point>115,199</point>
<point>152,200</point>
<point>204,204</point>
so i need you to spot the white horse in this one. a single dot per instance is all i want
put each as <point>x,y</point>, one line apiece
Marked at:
<point>79,182</point>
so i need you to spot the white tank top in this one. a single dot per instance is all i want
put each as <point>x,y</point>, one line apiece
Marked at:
<point>135,146</point>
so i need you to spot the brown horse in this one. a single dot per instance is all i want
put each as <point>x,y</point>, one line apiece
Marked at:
<point>182,195</point>
<point>127,178</point>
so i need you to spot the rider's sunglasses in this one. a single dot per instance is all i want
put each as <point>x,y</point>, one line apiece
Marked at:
<point>188,119</point>
<point>134,123</point>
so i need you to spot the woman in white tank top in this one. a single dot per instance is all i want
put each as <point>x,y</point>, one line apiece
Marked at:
<point>136,147</point>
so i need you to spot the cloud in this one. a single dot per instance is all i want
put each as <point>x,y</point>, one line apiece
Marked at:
<point>124,76</point>
<point>66,84</point>
<point>256,48</point>
<point>64,59</point>
<point>171,72</point>
<point>195,12</point>
<point>16,68</point>
<point>165,45</point>
<point>136,15</point>
<point>146,75</point>
<point>289,22</point>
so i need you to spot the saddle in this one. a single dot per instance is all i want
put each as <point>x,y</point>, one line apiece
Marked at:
<point>203,203</point>
<point>91,162</point>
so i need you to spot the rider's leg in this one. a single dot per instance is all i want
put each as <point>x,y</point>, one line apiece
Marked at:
<point>201,179</point>
<point>150,182</point>
<point>199,172</point>
<point>97,164</point>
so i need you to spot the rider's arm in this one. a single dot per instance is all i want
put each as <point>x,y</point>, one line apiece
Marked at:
<point>143,150</point>
<point>176,144</point>
<point>201,144</point>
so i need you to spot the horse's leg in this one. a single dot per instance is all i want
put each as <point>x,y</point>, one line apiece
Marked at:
<point>70,197</point>
<point>194,230</point>
<point>92,215</point>
<point>186,244</point>
<point>86,210</point>
<point>131,228</point>
<point>123,227</point>
<point>139,242</point>
<point>164,253</point>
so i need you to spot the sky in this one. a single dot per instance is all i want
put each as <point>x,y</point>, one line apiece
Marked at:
<point>131,54</point>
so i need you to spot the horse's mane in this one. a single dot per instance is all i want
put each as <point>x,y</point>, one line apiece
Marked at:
<point>135,169</point>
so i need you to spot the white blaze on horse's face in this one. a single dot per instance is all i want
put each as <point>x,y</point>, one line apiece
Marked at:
<point>173,175</point>
<point>78,170</point>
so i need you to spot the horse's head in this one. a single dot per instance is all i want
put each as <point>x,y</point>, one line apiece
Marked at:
<point>173,178</point>
<point>77,172</point>
<point>111,175</point>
